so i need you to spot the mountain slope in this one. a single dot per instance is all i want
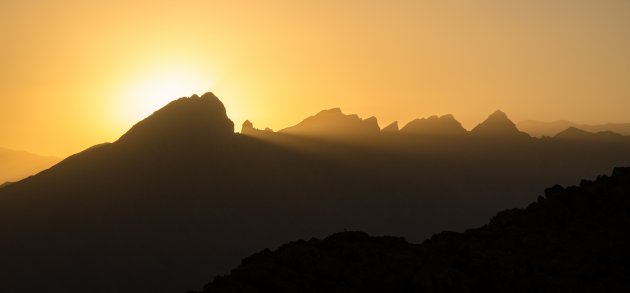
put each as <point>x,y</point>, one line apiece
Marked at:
<point>571,240</point>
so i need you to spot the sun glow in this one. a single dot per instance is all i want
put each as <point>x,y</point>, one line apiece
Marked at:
<point>150,92</point>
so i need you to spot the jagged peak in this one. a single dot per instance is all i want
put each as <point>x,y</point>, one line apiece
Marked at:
<point>435,125</point>
<point>333,121</point>
<point>186,118</point>
<point>498,124</point>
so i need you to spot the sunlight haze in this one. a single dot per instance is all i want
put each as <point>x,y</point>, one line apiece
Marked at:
<point>78,73</point>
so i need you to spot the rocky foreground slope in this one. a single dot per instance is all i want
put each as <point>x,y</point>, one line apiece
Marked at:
<point>573,239</point>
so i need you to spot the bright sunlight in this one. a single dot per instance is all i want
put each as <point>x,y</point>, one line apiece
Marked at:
<point>150,92</point>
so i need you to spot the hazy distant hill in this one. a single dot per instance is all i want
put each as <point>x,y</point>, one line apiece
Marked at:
<point>181,197</point>
<point>17,165</point>
<point>571,240</point>
<point>538,128</point>
<point>575,134</point>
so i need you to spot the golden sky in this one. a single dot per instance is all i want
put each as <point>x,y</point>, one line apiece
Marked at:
<point>77,73</point>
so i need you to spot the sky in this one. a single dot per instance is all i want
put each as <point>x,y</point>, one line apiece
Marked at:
<point>78,73</point>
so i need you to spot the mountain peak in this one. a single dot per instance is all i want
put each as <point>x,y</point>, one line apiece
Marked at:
<point>185,119</point>
<point>334,122</point>
<point>445,125</point>
<point>498,114</point>
<point>498,124</point>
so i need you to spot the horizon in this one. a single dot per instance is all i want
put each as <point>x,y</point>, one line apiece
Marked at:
<point>73,77</point>
<point>381,125</point>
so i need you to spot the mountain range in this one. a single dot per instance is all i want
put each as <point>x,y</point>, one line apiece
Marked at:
<point>334,124</point>
<point>181,196</point>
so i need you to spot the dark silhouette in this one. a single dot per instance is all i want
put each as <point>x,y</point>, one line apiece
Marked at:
<point>181,197</point>
<point>183,121</point>
<point>571,240</point>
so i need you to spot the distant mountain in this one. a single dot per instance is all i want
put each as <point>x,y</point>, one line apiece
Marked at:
<point>538,128</point>
<point>333,122</point>
<point>181,197</point>
<point>498,125</point>
<point>17,165</point>
<point>572,240</point>
<point>575,134</point>
<point>440,126</point>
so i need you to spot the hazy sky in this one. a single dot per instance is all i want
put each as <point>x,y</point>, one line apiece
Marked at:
<point>77,73</point>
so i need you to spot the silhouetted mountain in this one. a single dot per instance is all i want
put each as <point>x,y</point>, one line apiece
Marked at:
<point>180,197</point>
<point>441,126</point>
<point>572,240</point>
<point>333,122</point>
<point>575,134</point>
<point>17,165</point>
<point>537,128</point>
<point>498,125</point>
<point>392,127</point>
<point>183,121</point>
